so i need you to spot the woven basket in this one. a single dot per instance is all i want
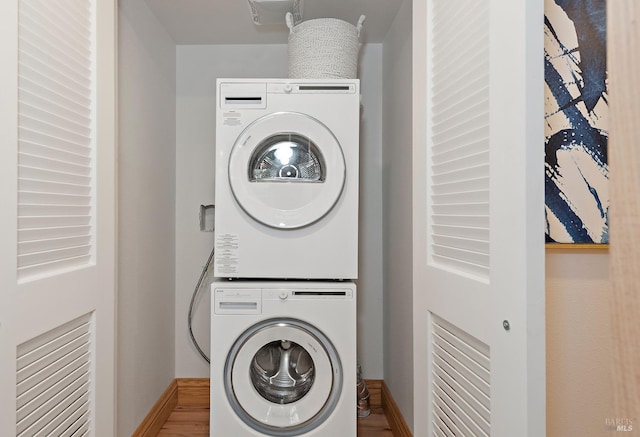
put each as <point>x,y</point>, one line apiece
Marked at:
<point>324,48</point>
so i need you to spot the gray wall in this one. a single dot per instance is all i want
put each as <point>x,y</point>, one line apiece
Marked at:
<point>146,210</point>
<point>198,66</point>
<point>397,201</point>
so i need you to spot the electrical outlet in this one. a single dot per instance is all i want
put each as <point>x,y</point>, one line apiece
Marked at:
<point>207,218</point>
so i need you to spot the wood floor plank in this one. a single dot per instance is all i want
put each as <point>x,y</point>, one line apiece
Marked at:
<point>375,425</point>
<point>194,422</point>
<point>186,421</point>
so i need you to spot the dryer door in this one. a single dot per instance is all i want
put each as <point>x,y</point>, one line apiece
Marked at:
<point>286,170</point>
<point>283,377</point>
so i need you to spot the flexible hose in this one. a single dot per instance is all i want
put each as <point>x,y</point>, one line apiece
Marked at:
<point>205,269</point>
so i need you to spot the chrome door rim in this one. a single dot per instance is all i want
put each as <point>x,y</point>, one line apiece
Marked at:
<point>296,205</point>
<point>321,415</point>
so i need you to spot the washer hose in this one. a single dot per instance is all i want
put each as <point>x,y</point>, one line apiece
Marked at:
<point>205,269</point>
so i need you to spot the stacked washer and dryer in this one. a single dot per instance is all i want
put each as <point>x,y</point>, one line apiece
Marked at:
<point>283,328</point>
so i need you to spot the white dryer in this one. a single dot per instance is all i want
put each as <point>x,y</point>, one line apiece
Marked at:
<point>286,194</point>
<point>283,359</point>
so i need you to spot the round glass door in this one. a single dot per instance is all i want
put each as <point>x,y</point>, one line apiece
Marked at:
<point>282,372</point>
<point>287,157</point>
<point>283,377</point>
<point>286,170</point>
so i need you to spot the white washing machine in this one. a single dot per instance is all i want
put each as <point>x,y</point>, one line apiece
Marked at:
<point>286,194</point>
<point>283,359</point>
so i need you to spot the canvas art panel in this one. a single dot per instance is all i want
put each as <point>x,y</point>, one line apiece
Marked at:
<point>576,169</point>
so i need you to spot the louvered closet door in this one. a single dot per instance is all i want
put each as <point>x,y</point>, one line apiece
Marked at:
<point>57,173</point>
<point>478,224</point>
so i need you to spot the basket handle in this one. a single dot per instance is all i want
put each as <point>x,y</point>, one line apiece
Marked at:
<point>288,18</point>
<point>359,25</point>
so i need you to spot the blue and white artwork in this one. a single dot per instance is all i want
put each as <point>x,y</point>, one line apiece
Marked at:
<point>576,108</point>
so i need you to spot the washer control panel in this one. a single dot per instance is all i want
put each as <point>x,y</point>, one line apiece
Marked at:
<point>247,301</point>
<point>237,301</point>
<point>306,293</point>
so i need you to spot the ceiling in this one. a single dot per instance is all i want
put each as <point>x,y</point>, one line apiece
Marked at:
<point>229,21</point>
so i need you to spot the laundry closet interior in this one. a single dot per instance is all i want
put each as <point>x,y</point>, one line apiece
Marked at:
<point>169,60</point>
<point>166,166</point>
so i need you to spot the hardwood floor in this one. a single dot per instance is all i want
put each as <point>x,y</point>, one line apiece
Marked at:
<point>188,421</point>
<point>188,412</point>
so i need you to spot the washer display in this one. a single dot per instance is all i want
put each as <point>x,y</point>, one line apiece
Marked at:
<point>277,375</point>
<point>287,179</point>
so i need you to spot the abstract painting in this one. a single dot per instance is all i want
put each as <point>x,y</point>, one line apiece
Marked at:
<point>576,107</point>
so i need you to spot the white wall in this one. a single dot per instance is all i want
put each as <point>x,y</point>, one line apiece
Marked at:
<point>398,239</point>
<point>197,70</point>
<point>146,210</point>
<point>578,343</point>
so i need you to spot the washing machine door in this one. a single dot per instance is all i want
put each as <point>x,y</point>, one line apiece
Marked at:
<point>286,170</point>
<point>283,377</point>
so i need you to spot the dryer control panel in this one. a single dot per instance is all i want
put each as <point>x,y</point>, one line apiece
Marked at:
<point>310,88</point>
<point>253,95</point>
<point>243,95</point>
